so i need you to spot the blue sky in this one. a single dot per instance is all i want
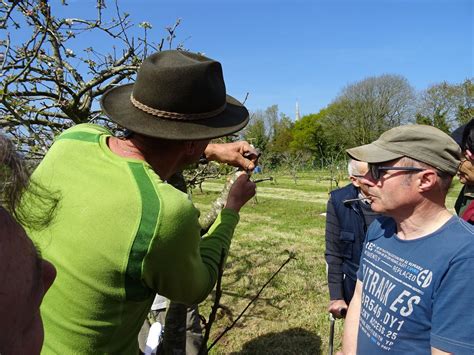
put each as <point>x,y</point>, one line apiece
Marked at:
<point>281,51</point>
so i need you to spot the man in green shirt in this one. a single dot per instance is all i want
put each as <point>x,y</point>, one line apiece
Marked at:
<point>121,232</point>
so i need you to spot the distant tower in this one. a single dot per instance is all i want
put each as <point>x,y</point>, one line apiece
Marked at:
<point>297,114</point>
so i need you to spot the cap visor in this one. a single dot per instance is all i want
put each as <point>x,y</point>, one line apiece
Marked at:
<point>371,153</point>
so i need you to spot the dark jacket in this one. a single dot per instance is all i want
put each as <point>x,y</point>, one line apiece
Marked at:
<point>345,234</point>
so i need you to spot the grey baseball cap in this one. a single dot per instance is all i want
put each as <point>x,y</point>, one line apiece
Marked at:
<point>421,142</point>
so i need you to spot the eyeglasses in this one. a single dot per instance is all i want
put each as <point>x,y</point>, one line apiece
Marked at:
<point>376,169</point>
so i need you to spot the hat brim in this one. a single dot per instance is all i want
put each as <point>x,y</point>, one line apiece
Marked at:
<point>372,153</point>
<point>117,106</point>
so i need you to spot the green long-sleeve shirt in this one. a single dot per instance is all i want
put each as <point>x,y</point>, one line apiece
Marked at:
<point>120,235</point>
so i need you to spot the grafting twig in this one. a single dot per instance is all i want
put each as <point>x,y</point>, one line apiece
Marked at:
<point>290,257</point>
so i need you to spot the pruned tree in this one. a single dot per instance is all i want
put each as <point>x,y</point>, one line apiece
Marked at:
<point>294,162</point>
<point>47,84</point>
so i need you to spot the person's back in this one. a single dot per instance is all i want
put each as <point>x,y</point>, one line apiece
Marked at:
<point>101,275</point>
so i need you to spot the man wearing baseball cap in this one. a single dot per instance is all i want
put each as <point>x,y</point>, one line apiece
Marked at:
<point>122,233</point>
<point>415,281</point>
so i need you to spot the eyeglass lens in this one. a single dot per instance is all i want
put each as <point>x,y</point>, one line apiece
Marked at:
<point>374,171</point>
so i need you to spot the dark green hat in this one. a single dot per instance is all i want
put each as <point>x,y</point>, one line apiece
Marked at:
<point>423,143</point>
<point>177,95</point>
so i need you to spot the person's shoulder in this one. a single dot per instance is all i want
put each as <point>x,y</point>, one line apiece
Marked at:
<point>382,226</point>
<point>171,202</point>
<point>460,230</point>
<point>171,198</point>
<point>459,237</point>
<point>175,204</point>
<point>344,189</point>
<point>464,230</point>
<point>83,130</point>
<point>343,193</point>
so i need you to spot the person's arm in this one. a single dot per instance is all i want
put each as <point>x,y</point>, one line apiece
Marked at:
<point>351,324</point>
<point>452,323</point>
<point>435,351</point>
<point>240,154</point>
<point>180,265</point>
<point>334,261</point>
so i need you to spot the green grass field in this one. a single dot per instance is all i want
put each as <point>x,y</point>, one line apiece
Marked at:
<point>290,315</point>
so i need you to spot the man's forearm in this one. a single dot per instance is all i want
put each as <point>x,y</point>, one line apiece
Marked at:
<point>351,324</point>
<point>435,351</point>
<point>335,285</point>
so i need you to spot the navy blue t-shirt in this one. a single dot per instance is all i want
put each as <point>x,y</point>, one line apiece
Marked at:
<point>417,294</point>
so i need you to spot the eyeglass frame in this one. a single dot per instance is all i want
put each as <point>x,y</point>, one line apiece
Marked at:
<point>374,170</point>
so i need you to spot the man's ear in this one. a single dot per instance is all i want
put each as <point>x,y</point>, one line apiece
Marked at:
<point>427,180</point>
<point>354,181</point>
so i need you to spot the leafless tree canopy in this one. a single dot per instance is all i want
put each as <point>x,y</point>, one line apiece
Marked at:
<point>46,86</point>
<point>371,106</point>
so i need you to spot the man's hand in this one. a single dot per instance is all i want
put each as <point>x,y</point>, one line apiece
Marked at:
<point>466,172</point>
<point>240,154</point>
<point>336,306</point>
<point>241,191</point>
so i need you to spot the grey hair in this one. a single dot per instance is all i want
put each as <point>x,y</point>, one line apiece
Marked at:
<point>13,175</point>
<point>15,184</point>
<point>353,167</point>
<point>350,167</point>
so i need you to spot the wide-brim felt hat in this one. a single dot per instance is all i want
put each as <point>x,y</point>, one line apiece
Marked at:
<point>177,95</point>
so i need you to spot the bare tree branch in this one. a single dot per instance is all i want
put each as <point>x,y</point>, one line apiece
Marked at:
<point>45,86</point>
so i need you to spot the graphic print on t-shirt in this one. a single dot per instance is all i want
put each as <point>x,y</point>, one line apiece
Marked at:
<point>392,288</point>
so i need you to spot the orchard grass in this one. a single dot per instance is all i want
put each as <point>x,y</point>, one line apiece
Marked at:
<point>290,316</point>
